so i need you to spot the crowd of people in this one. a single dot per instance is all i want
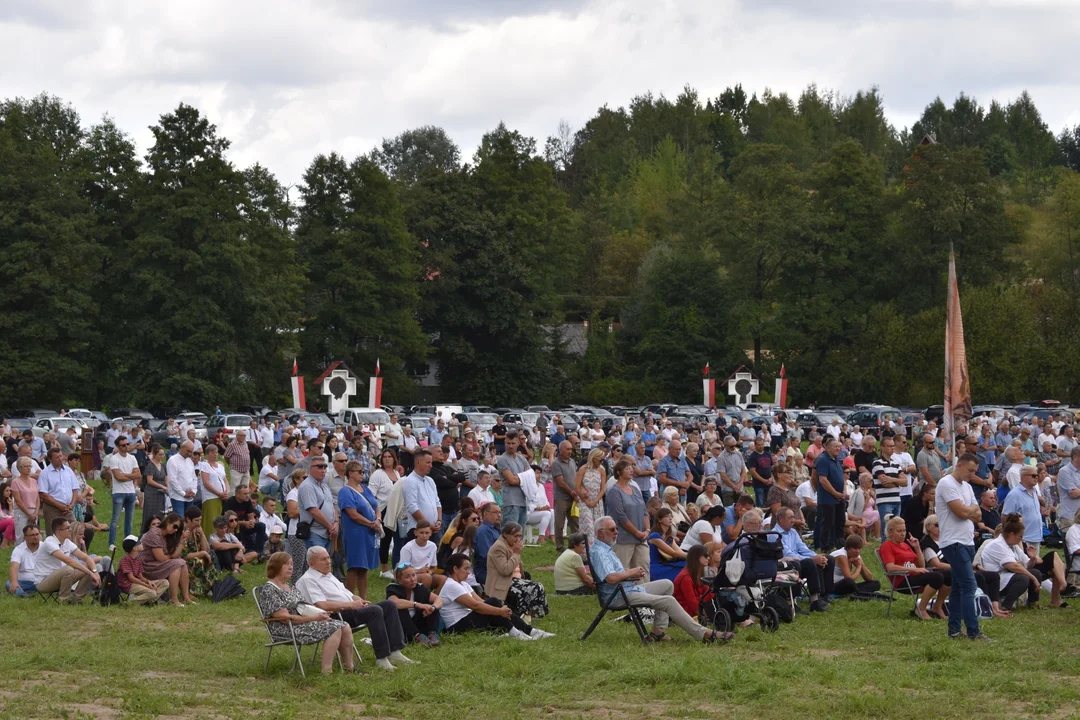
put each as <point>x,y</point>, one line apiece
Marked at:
<point>443,513</point>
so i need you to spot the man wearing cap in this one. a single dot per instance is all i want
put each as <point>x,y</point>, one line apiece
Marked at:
<point>239,456</point>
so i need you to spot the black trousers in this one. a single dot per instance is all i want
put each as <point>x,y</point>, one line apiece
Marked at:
<point>383,623</point>
<point>418,624</point>
<point>990,583</point>
<point>255,452</point>
<point>934,579</point>
<point>253,539</point>
<point>384,543</point>
<point>1017,586</point>
<point>814,575</point>
<point>832,526</point>
<point>846,586</point>
<point>476,621</point>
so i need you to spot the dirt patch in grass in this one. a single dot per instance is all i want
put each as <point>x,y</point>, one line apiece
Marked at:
<point>96,710</point>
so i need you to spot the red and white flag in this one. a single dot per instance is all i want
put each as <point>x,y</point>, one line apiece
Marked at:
<point>705,372</point>
<point>295,369</point>
<point>957,385</point>
<point>377,367</point>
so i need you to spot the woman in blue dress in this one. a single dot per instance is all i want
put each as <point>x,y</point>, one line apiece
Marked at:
<point>360,529</point>
<point>666,558</point>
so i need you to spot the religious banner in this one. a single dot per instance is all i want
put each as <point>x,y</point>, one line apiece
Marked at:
<point>744,386</point>
<point>957,385</point>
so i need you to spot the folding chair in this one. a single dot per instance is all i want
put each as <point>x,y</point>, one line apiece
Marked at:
<point>256,593</point>
<point>906,590</point>
<point>45,597</point>
<point>606,605</point>
<point>354,628</point>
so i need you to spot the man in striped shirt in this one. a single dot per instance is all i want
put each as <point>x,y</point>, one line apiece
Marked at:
<point>888,479</point>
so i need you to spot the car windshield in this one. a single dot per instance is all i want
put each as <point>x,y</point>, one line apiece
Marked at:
<point>372,417</point>
<point>319,418</point>
<point>828,417</point>
<point>485,418</point>
<point>530,418</point>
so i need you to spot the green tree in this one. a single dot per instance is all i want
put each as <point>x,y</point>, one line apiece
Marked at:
<point>414,153</point>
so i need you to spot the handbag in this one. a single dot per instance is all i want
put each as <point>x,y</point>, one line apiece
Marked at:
<point>575,511</point>
<point>308,610</point>
<point>303,530</point>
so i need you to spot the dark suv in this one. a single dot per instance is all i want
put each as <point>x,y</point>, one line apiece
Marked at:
<point>872,420</point>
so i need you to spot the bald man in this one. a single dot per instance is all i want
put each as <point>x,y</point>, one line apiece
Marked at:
<point>564,475</point>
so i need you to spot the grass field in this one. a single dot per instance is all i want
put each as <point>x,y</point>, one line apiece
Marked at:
<point>852,662</point>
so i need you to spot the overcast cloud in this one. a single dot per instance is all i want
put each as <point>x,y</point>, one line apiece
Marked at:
<point>286,80</point>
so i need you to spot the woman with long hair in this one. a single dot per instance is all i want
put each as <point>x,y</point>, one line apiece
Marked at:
<point>161,558</point>
<point>666,558</point>
<point>690,591</point>
<point>7,513</point>
<point>590,482</point>
<point>154,487</point>
<point>381,483</point>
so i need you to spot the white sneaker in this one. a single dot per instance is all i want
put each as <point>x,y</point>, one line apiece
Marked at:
<point>397,657</point>
<point>538,634</point>
<point>386,575</point>
<point>518,635</point>
<point>384,664</point>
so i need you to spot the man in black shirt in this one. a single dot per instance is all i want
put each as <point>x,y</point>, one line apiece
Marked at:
<point>249,530</point>
<point>865,456</point>
<point>499,433</point>
<point>991,518</point>
<point>448,480</point>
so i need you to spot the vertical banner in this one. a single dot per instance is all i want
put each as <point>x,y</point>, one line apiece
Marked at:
<point>298,392</point>
<point>957,386</point>
<point>375,392</point>
<point>780,397</point>
<point>709,388</point>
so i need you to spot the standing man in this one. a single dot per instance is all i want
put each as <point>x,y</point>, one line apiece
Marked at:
<point>468,465</point>
<point>317,505</point>
<point>254,449</point>
<point>732,469</point>
<point>1068,482</point>
<point>564,474</point>
<point>673,470</point>
<point>644,470</point>
<point>125,473</point>
<point>420,496</point>
<point>832,506</point>
<point>888,479</point>
<point>394,434</point>
<point>760,463</point>
<point>239,456</point>
<point>180,479</point>
<point>58,489</point>
<point>510,466</point>
<point>929,461</point>
<point>499,432</point>
<point>448,483</point>
<point>957,512</point>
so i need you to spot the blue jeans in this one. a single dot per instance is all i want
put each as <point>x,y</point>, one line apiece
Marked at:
<point>125,502</point>
<point>962,597</point>
<point>515,513</point>
<point>399,541</point>
<point>270,489</point>
<point>893,508</point>
<point>313,540</point>
<point>180,506</point>
<point>760,493</point>
<point>26,588</point>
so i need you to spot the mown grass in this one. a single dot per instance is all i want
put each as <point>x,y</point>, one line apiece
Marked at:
<point>207,661</point>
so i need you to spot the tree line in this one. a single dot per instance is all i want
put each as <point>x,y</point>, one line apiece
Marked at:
<point>757,230</point>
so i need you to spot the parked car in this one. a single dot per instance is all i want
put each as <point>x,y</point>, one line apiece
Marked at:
<point>481,421</point>
<point>418,422</point>
<point>221,428</point>
<point>256,411</point>
<point>132,412</point>
<point>873,419</point>
<point>538,408</point>
<point>815,421</point>
<point>18,424</point>
<point>398,410</point>
<point>58,425</point>
<point>353,417</point>
<point>93,417</point>
<point>34,413</point>
<point>322,421</point>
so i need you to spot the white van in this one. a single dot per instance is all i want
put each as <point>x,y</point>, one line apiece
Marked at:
<point>445,411</point>
<point>353,417</point>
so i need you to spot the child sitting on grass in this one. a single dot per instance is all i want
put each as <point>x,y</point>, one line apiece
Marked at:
<point>141,590</point>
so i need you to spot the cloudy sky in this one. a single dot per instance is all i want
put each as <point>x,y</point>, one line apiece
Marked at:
<point>286,79</point>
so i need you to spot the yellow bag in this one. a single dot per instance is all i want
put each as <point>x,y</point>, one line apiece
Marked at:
<point>575,511</point>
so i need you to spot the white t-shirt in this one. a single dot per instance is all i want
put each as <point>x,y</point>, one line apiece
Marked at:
<point>217,480</point>
<point>693,535</point>
<point>996,553</point>
<point>856,438</point>
<point>44,562</point>
<point>837,573</point>
<point>480,496</point>
<point>266,437</point>
<point>393,429</point>
<point>293,495</point>
<point>419,556</point>
<point>904,461</point>
<point>1013,475</point>
<point>453,611</point>
<point>27,560</point>
<point>1072,541</point>
<point>805,492</point>
<point>953,529</point>
<point>125,464</point>
<point>266,472</point>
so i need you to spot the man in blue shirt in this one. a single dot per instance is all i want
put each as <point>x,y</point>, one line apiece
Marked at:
<point>1002,439</point>
<point>486,535</point>
<point>674,471</point>
<point>649,437</point>
<point>733,517</point>
<point>1024,500</point>
<point>832,506</point>
<point>815,569</point>
<point>656,594</point>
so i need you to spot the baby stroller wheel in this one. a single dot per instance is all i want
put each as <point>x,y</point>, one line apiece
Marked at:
<point>770,620</point>
<point>721,620</point>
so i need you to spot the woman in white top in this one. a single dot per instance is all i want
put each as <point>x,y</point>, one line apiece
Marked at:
<point>381,483</point>
<point>704,530</point>
<point>463,610</point>
<point>213,487</point>
<point>297,548</point>
<point>597,433</point>
<point>536,501</point>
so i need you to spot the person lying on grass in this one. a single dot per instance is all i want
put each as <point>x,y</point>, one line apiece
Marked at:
<point>657,594</point>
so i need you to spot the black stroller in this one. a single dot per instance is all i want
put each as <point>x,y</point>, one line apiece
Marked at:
<point>747,596</point>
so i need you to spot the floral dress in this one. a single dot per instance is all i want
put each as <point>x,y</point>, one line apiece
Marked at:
<point>272,598</point>
<point>588,516</point>
<point>201,575</point>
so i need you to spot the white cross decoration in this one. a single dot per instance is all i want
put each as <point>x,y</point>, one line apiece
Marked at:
<point>339,386</point>
<point>744,387</point>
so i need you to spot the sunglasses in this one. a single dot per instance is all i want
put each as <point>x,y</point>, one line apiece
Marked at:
<point>319,465</point>
<point>402,565</point>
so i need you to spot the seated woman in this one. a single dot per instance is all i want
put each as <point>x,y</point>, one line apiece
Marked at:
<point>196,551</point>
<point>705,530</point>
<point>161,559</point>
<point>572,577</point>
<point>227,547</point>
<point>680,520</point>
<point>504,579</point>
<point>905,556</point>
<point>666,558</point>
<point>463,610</point>
<point>850,574</point>
<point>1020,570</point>
<point>418,609</point>
<point>280,605</point>
<point>690,588</point>
<point>862,513</point>
<point>453,537</point>
<point>918,507</point>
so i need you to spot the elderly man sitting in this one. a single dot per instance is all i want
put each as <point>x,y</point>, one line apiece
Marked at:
<point>812,567</point>
<point>21,568</point>
<point>656,594</point>
<point>326,592</point>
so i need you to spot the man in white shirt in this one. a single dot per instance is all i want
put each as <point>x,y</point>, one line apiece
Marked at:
<point>834,429</point>
<point>857,436</point>
<point>394,433</point>
<point>957,511</point>
<point>110,436</point>
<point>59,565</point>
<point>180,479</point>
<point>125,473</point>
<point>58,489</point>
<point>1068,482</point>
<point>326,592</point>
<point>481,494</point>
<point>269,482</point>
<point>421,497</point>
<point>312,430</point>
<point>1016,460</point>
<point>21,568</point>
<point>266,436</point>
